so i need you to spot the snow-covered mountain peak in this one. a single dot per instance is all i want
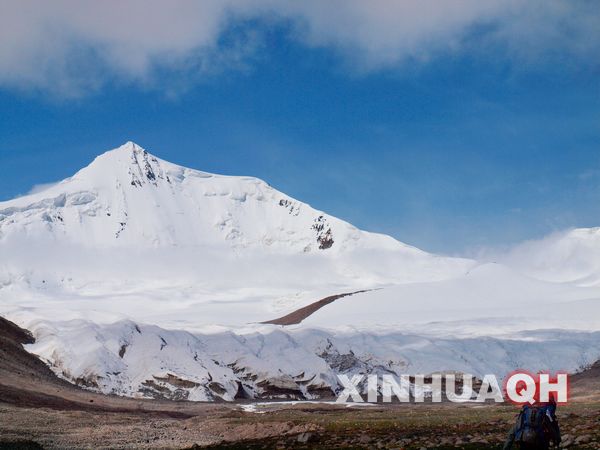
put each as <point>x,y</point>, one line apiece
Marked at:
<point>128,196</point>
<point>129,199</point>
<point>127,149</point>
<point>130,164</point>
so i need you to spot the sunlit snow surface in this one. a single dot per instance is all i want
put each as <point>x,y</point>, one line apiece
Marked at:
<point>141,277</point>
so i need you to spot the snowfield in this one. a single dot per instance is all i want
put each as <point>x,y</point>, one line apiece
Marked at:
<point>143,278</point>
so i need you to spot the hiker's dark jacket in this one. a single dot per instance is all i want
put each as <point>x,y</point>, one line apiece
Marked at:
<point>549,433</point>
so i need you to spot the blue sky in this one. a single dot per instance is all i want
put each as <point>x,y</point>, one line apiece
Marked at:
<point>449,149</point>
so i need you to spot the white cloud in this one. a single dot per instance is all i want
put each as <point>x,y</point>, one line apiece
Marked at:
<point>72,47</point>
<point>36,188</point>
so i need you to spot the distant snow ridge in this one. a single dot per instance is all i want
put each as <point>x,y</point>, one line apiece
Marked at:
<point>141,277</point>
<point>571,256</point>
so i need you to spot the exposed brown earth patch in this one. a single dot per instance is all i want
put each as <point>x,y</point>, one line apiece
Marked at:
<point>300,314</point>
<point>586,384</point>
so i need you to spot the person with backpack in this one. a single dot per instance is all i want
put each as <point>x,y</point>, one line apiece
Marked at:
<point>535,428</point>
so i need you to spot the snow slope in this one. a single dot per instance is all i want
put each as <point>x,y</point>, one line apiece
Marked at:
<point>141,277</point>
<point>489,300</point>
